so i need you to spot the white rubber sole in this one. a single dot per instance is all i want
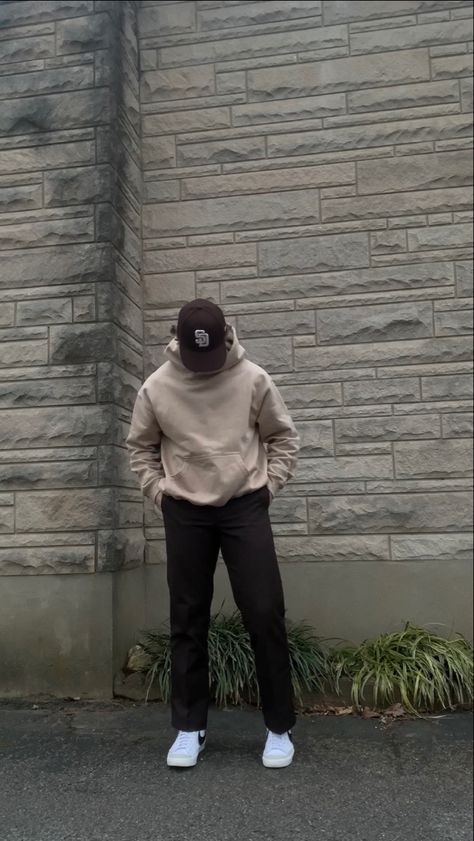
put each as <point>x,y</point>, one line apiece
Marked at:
<point>184,761</point>
<point>282,762</point>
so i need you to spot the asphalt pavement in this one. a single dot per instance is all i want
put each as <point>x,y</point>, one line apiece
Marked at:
<point>86,771</point>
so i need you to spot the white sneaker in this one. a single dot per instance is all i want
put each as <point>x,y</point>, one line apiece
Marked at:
<point>279,750</point>
<point>186,748</point>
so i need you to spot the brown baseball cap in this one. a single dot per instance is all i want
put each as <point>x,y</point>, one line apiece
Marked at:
<point>201,336</point>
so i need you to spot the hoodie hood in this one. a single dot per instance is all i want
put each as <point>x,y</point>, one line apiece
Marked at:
<point>235,353</point>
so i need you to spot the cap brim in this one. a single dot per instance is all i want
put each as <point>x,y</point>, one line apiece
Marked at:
<point>203,361</point>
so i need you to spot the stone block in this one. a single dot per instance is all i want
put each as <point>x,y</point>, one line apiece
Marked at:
<point>266,210</point>
<point>159,191</point>
<point>78,343</point>
<point>119,549</point>
<point>303,108</point>
<point>221,151</point>
<point>227,49</point>
<point>307,396</point>
<point>387,428</point>
<point>386,513</point>
<point>64,510</point>
<point>428,547</point>
<point>344,325</point>
<point>30,393</point>
<point>174,122</point>
<point>452,67</point>
<point>256,13</point>
<point>286,509</point>
<point>48,81</point>
<point>49,311</point>
<point>273,354</point>
<point>56,426</point>
<point>17,476</point>
<point>276,324</point>
<point>53,232</point>
<point>464,276</point>
<point>309,549</point>
<point>457,323</point>
<point>338,283</point>
<point>159,85</point>
<point>71,264</point>
<point>82,34</point>
<point>313,254</point>
<point>78,185</point>
<point>403,96</point>
<point>174,289</point>
<point>457,425</point>
<point>419,172</point>
<point>344,74</point>
<point>24,353</point>
<point>397,390</point>
<point>388,242</point>
<point>159,152</point>
<point>440,236</point>
<point>228,83</point>
<point>344,468</point>
<point>467,94</point>
<point>39,560</point>
<point>199,257</point>
<point>394,204</point>
<point>29,49</point>
<point>20,197</point>
<point>19,13</point>
<point>447,387</point>
<point>341,11</point>
<point>417,351</point>
<point>161,20</point>
<point>442,459</point>
<point>51,113</point>
<point>42,157</point>
<point>269,181</point>
<point>411,37</point>
<point>316,438</point>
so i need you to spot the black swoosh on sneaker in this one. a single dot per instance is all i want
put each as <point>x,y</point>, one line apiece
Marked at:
<point>202,739</point>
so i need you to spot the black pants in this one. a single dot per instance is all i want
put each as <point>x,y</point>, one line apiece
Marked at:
<point>194,535</point>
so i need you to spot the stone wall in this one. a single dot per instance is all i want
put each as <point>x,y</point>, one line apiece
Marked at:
<point>71,332</point>
<point>307,165</point>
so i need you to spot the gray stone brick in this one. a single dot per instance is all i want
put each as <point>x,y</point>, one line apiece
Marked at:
<point>276,324</point>
<point>53,232</point>
<point>83,34</point>
<point>19,12</point>
<point>199,257</point>
<point>72,264</point>
<point>403,96</point>
<point>49,311</point>
<point>444,458</point>
<point>385,513</point>
<point>316,438</point>
<point>20,198</point>
<point>427,547</point>
<point>158,85</point>
<point>273,354</point>
<point>255,13</point>
<point>308,549</point>
<point>226,49</point>
<point>374,323</point>
<point>387,428</point>
<point>178,121</point>
<point>447,387</point>
<point>452,67</point>
<point>161,19</point>
<point>339,11</point>
<point>78,343</point>
<point>78,185</point>
<point>344,74</point>
<point>196,154</point>
<point>64,510</point>
<point>411,37</point>
<point>419,172</point>
<point>395,390</point>
<point>57,426</point>
<point>237,213</point>
<point>51,560</point>
<point>393,204</point>
<point>314,254</point>
<point>464,284</point>
<point>345,468</point>
<point>48,81</point>
<point>269,181</point>
<point>311,395</point>
<point>457,323</point>
<point>466,94</point>
<point>303,108</point>
<point>457,425</point>
<point>441,236</point>
<point>53,112</point>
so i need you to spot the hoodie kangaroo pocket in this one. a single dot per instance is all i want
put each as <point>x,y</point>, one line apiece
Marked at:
<point>210,479</point>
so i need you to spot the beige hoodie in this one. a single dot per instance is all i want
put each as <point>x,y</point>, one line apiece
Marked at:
<point>207,438</point>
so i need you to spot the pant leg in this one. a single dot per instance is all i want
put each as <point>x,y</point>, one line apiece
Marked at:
<point>249,554</point>
<point>192,546</point>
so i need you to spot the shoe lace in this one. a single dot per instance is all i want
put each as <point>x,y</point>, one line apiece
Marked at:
<point>276,740</point>
<point>184,738</point>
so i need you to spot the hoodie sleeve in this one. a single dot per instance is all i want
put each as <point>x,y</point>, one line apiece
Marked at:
<point>143,442</point>
<point>278,432</point>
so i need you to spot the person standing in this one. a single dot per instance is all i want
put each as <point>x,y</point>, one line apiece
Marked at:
<point>212,443</point>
